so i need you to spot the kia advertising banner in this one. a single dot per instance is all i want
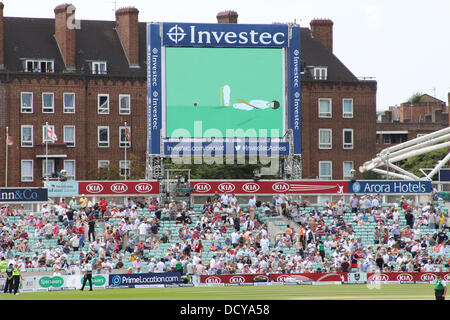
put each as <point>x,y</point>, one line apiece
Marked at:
<point>233,278</point>
<point>268,187</point>
<point>309,277</point>
<point>405,276</point>
<point>378,277</point>
<point>279,278</point>
<point>118,187</point>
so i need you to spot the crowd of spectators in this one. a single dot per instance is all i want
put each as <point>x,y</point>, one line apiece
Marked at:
<point>238,240</point>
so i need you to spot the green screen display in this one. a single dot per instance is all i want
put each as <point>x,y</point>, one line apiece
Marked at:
<point>224,92</point>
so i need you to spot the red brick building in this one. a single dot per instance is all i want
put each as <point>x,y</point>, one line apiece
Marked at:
<point>411,120</point>
<point>339,110</point>
<point>87,78</point>
<point>84,80</point>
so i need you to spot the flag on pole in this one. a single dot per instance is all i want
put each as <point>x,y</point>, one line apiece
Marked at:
<point>127,134</point>
<point>51,134</point>
<point>9,139</point>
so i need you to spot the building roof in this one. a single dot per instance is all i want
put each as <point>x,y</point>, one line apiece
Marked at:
<point>95,40</point>
<point>315,53</point>
<point>98,40</point>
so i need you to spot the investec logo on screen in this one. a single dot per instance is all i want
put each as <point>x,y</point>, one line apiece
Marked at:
<point>225,35</point>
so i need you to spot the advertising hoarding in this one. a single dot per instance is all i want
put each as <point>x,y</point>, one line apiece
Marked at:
<point>118,187</point>
<point>144,279</point>
<point>268,187</point>
<point>389,186</point>
<point>18,195</point>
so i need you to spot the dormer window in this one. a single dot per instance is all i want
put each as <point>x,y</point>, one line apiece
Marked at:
<point>98,67</point>
<point>38,65</point>
<point>320,73</point>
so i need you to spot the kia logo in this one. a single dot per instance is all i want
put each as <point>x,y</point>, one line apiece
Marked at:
<point>283,278</point>
<point>250,187</point>
<point>428,277</point>
<point>379,277</point>
<point>143,187</point>
<point>119,188</point>
<point>226,187</point>
<point>237,279</point>
<point>280,187</point>
<point>404,277</point>
<point>94,188</point>
<point>202,187</point>
<point>213,280</point>
<point>447,277</point>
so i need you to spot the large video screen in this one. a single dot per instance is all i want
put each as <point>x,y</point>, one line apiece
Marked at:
<point>224,92</point>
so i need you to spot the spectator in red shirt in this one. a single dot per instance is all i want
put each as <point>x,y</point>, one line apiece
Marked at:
<point>103,206</point>
<point>198,247</point>
<point>82,236</point>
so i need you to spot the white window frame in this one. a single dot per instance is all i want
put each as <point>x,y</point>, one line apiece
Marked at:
<point>102,144</point>
<point>25,178</point>
<point>326,177</point>
<point>325,114</point>
<point>102,110</point>
<point>103,164</point>
<point>28,109</point>
<point>37,62</point>
<point>123,110</point>
<point>67,109</point>
<point>23,143</point>
<point>344,113</point>
<point>320,73</point>
<point>69,175</point>
<point>124,143</point>
<point>124,165</point>
<point>387,136</point>
<point>96,67</point>
<point>348,145</point>
<point>53,102</point>
<point>51,162</point>
<point>329,145</point>
<point>45,137</point>
<point>349,176</point>
<point>69,143</point>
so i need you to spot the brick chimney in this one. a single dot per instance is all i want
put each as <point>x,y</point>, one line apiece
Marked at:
<point>227,17</point>
<point>127,27</point>
<point>65,33</point>
<point>2,54</point>
<point>322,29</point>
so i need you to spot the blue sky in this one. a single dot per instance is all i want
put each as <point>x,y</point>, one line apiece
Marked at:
<point>404,45</point>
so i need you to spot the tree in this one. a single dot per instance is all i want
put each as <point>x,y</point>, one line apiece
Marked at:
<point>113,172</point>
<point>219,171</point>
<point>415,98</point>
<point>426,160</point>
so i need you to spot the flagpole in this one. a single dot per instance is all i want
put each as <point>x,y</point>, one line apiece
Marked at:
<point>46,152</point>
<point>126,144</point>
<point>6,171</point>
